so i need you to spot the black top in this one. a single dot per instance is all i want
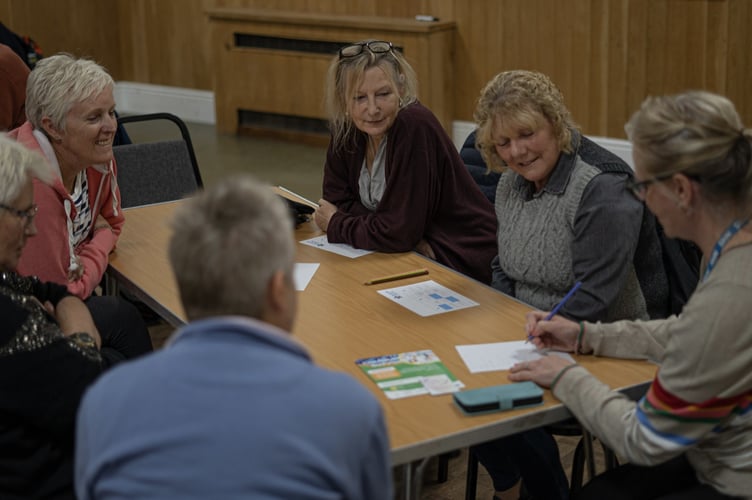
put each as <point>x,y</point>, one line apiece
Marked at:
<point>43,376</point>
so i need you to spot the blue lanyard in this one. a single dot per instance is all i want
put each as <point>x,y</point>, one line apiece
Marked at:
<point>725,237</point>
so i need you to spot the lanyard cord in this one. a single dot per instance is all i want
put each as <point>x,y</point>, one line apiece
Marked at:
<point>730,231</point>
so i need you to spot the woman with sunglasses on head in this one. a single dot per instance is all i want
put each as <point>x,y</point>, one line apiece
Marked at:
<point>393,179</point>
<point>48,349</point>
<point>690,436</point>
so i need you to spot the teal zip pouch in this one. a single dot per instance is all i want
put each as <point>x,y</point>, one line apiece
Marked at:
<point>499,398</point>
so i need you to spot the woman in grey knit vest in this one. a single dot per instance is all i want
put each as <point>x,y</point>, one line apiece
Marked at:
<point>564,215</point>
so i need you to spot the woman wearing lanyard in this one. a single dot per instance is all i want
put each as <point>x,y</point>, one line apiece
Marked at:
<point>690,436</point>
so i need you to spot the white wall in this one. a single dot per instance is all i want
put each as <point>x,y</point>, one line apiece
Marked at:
<point>190,105</point>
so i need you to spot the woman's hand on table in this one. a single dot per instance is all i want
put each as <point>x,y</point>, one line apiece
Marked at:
<point>541,371</point>
<point>424,248</point>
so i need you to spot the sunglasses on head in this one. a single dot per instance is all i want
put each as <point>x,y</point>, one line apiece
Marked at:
<point>375,47</point>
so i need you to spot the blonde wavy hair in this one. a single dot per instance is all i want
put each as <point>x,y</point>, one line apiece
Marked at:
<point>520,98</point>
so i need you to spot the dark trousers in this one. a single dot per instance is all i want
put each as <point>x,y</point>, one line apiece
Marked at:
<point>672,480</point>
<point>123,331</point>
<point>532,456</point>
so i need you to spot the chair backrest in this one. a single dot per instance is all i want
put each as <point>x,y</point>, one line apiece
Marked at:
<point>620,147</point>
<point>475,164</point>
<point>154,172</point>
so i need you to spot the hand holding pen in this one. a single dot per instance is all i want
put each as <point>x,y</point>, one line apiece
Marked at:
<point>556,334</point>
<point>554,311</point>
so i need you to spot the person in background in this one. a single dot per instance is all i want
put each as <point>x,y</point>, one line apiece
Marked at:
<point>393,180</point>
<point>690,436</point>
<point>13,75</point>
<point>70,109</point>
<point>564,215</point>
<point>233,407</point>
<point>48,349</point>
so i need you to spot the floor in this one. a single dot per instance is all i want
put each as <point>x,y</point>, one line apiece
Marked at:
<point>298,167</point>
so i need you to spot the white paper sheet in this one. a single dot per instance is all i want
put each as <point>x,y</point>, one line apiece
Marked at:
<point>302,274</point>
<point>501,355</point>
<point>321,243</point>
<point>427,298</point>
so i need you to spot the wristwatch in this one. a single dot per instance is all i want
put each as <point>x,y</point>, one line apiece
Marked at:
<point>83,339</point>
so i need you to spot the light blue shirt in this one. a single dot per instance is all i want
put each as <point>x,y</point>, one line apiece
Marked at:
<point>232,408</point>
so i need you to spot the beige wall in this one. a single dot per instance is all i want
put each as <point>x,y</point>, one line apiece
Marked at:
<point>606,55</point>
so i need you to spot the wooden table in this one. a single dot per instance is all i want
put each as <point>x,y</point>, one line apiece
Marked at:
<point>340,320</point>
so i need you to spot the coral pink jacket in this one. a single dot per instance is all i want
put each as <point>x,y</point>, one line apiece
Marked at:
<point>50,254</point>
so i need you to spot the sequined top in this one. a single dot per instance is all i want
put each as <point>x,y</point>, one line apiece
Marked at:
<point>43,375</point>
<point>31,327</point>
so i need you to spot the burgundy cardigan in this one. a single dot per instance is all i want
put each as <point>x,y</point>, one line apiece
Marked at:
<point>429,195</point>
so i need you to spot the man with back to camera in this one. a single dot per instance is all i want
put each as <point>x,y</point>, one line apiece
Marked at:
<point>232,407</point>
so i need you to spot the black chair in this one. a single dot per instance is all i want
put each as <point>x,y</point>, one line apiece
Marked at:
<point>155,172</point>
<point>473,160</point>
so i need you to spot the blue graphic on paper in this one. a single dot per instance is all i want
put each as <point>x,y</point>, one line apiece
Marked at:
<point>427,298</point>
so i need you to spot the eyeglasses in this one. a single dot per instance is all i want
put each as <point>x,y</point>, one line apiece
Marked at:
<point>28,214</point>
<point>375,47</point>
<point>639,188</point>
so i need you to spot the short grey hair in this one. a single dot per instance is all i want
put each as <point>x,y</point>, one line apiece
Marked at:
<point>700,134</point>
<point>228,242</point>
<point>57,83</point>
<point>17,165</point>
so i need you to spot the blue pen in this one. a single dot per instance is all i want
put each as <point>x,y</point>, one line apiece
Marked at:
<point>561,303</point>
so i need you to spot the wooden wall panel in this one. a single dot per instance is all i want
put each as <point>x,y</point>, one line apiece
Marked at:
<point>291,82</point>
<point>84,28</point>
<point>738,70</point>
<point>606,55</point>
<point>166,42</point>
